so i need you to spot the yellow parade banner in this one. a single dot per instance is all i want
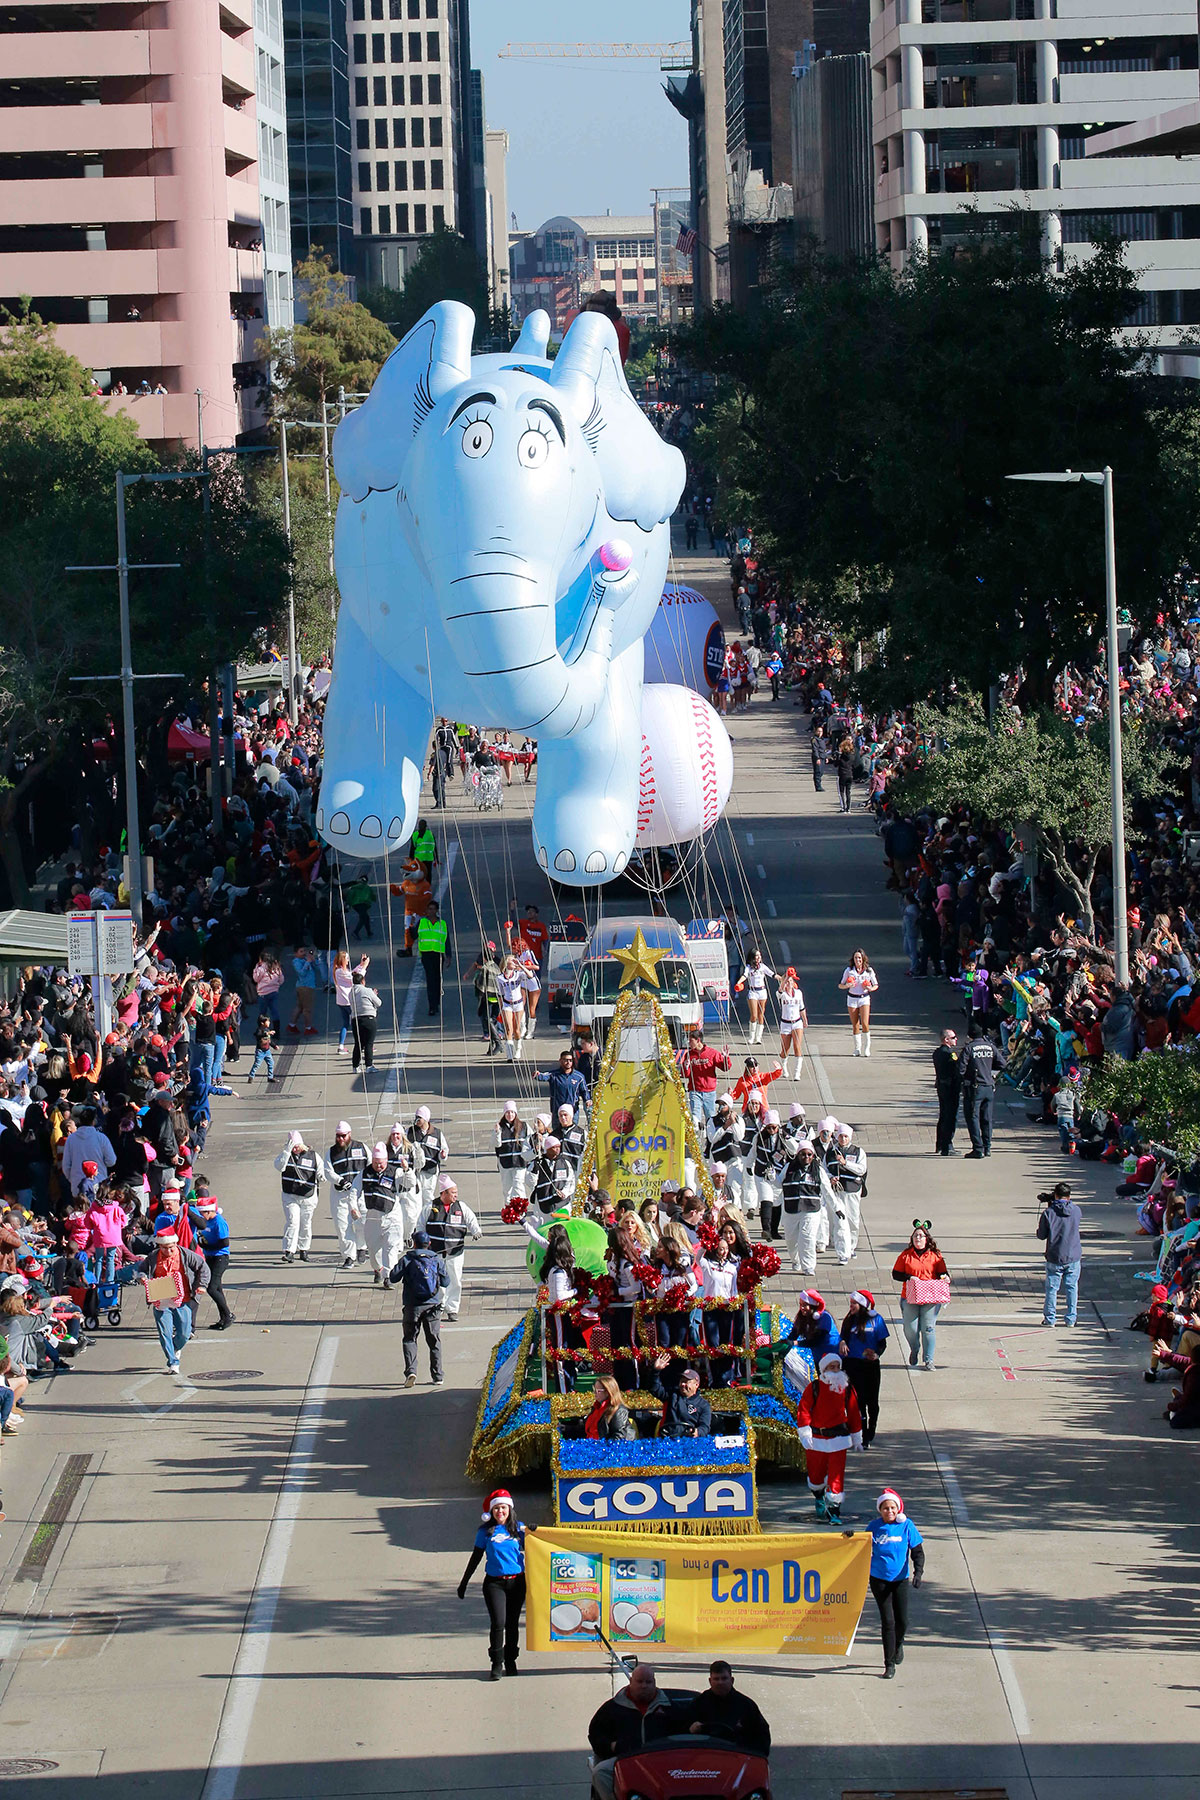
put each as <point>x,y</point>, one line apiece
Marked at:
<point>798,1595</point>
<point>639,1130</point>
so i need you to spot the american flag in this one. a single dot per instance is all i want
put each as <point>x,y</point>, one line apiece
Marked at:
<point>685,243</point>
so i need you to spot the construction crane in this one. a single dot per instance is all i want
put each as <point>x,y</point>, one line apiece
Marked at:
<point>668,56</point>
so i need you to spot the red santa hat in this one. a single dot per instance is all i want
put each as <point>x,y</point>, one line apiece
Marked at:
<point>813,1299</point>
<point>501,1497</point>
<point>863,1297</point>
<point>889,1494</point>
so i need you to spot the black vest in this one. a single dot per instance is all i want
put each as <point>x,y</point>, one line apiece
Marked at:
<point>802,1186</point>
<point>300,1175</point>
<point>510,1151</point>
<point>379,1190</point>
<point>446,1228</point>
<point>768,1156</point>
<point>426,1149</point>
<point>348,1160</point>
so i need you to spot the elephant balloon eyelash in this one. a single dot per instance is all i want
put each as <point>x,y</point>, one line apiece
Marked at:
<point>479,418</point>
<point>422,404</point>
<point>593,425</point>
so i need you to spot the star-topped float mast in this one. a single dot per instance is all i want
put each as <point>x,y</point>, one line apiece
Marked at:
<point>639,962</point>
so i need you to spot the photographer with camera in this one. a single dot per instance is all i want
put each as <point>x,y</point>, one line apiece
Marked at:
<point>1058,1226</point>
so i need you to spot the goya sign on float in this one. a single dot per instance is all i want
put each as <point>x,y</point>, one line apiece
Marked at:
<point>640,1131</point>
<point>608,1500</point>
<point>791,1594</point>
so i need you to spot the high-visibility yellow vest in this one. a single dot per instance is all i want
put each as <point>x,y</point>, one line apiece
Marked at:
<point>431,935</point>
<point>423,847</point>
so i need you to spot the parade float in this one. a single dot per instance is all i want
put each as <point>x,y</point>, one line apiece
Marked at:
<point>640,1137</point>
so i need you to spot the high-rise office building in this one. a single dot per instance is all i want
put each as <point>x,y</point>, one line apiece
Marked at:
<point>832,190</point>
<point>271,104</point>
<point>129,201</point>
<point>762,41</point>
<point>700,97</point>
<point>496,216</point>
<point>410,106</point>
<point>318,115</point>
<point>984,108</point>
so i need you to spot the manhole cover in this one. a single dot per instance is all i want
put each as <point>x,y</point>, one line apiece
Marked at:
<point>223,1374</point>
<point>25,1765</point>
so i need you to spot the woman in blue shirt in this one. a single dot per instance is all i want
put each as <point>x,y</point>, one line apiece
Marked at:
<point>894,1538</point>
<point>500,1546</point>
<point>864,1338</point>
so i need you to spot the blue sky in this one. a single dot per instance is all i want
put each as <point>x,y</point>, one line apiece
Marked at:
<point>586,135</point>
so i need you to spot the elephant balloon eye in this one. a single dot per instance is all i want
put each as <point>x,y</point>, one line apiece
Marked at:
<point>477,437</point>
<point>533,451</point>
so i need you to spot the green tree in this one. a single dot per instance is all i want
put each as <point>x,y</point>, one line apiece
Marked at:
<point>61,450</point>
<point>868,418</point>
<point>1041,770</point>
<point>1162,1088</point>
<point>445,268</point>
<point>337,344</point>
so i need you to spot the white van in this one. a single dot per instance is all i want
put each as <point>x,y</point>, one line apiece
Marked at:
<point>599,979</point>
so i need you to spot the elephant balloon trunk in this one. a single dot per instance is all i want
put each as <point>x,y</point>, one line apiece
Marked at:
<point>503,623</point>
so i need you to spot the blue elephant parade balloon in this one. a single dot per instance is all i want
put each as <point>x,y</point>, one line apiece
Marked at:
<point>502,540</point>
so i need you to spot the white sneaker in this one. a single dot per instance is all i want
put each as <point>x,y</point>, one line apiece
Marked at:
<point>173,1368</point>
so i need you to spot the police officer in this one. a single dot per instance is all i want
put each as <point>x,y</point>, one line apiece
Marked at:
<point>805,1188</point>
<point>301,1173</point>
<point>512,1147</point>
<point>981,1059</point>
<point>448,1221</point>
<point>432,935</point>
<point>947,1075</point>
<point>347,1160</point>
<point>765,1164</point>
<point>429,1151</point>
<point>724,1135</point>
<point>383,1201</point>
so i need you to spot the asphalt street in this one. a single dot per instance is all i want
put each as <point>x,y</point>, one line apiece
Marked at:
<point>241,1585</point>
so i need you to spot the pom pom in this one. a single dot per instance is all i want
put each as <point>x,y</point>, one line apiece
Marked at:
<point>747,1276</point>
<point>649,1275</point>
<point>706,1234</point>
<point>606,1292</point>
<point>514,1210</point>
<point>766,1261</point>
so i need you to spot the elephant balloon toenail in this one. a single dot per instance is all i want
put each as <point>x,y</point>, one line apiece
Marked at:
<point>340,823</point>
<point>619,863</point>
<point>396,828</point>
<point>596,863</point>
<point>371,827</point>
<point>565,860</point>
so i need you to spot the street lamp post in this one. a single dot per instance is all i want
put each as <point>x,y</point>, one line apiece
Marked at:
<point>293,709</point>
<point>1103,478</point>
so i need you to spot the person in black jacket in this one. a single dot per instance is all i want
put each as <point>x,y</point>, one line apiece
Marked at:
<point>980,1061</point>
<point>722,1712</point>
<point>640,1714</point>
<point>947,1075</point>
<point>686,1413</point>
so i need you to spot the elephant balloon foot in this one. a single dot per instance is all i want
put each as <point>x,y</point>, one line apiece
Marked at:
<point>582,840</point>
<point>376,735</point>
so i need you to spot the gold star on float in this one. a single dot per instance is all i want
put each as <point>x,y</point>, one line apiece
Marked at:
<point>640,962</point>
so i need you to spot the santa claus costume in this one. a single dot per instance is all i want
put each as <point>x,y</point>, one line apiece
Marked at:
<point>830,1424</point>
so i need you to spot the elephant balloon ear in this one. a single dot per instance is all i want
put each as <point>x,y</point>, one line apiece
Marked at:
<point>535,335</point>
<point>642,477</point>
<point>371,445</point>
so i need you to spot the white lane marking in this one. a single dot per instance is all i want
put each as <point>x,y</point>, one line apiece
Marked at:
<point>760,871</point>
<point>785,950</point>
<point>954,1494</point>
<point>1010,1684</point>
<point>771,913</point>
<point>183,1391</point>
<point>750,839</point>
<point>1015,1699</point>
<point>822,1079</point>
<point>237,1714</point>
<point>404,1025</point>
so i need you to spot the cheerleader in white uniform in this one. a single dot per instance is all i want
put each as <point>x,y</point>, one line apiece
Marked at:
<point>754,979</point>
<point>793,1018</point>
